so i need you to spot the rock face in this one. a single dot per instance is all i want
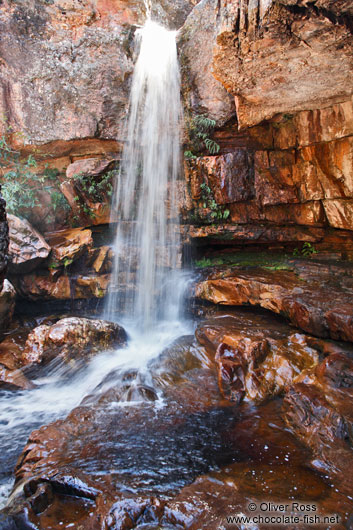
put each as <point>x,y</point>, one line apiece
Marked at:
<point>296,174</point>
<point>70,338</point>
<point>27,247</point>
<point>288,65</point>
<point>301,53</point>
<point>202,92</point>
<point>66,67</point>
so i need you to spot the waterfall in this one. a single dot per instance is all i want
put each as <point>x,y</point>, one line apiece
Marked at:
<point>147,239</point>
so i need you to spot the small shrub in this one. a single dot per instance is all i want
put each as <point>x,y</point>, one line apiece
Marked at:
<point>218,212</point>
<point>307,250</point>
<point>200,130</point>
<point>22,187</point>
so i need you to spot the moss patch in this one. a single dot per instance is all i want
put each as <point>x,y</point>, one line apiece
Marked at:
<point>247,259</point>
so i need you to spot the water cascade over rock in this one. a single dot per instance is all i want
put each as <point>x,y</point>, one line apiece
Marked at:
<point>147,235</point>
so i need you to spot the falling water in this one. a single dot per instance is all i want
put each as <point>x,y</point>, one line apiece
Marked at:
<point>147,249</point>
<point>147,240</point>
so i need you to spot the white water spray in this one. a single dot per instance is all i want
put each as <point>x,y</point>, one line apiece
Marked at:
<point>147,241</point>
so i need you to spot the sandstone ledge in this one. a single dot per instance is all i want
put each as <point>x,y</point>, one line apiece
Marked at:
<point>316,301</point>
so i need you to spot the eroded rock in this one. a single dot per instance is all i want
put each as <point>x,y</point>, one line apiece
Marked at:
<point>312,54</point>
<point>72,338</point>
<point>68,245</point>
<point>314,302</point>
<point>255,362</point>
<point>27,248</point>
<point>45,286</point>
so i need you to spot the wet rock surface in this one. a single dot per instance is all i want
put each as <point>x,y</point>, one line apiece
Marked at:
<point>314,297</point>
<point>71,338</point>
<point>164,448</point>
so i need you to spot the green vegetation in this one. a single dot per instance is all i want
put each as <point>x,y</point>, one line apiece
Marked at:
<point>200,130</point>
<point>306,251</point>
<point>22,187</point>
<point>218,212</point>
<point>97,191</point>
<point>247,259</point>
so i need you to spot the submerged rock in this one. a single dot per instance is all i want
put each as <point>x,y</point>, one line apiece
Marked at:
<point>318,409</point>
<point>72,338</point>
<point>27,248</point>
<point>257,357</point>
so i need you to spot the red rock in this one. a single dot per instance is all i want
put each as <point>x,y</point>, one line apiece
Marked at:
<point>227,234</point>
<point>315,126</point>
<point>274,182</point>
<point>306,300</point>
<point>229,176</point>
<point>75,98</point>
<point>91,167</point>
<point>255,51</point>
<point>68,245</point>
<point>339,213</point>
<point>28,248</point>
<point>71,338</point>
<point>253,362</point>
<point>43,286</point>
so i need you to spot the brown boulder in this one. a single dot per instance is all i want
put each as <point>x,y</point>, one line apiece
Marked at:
<point>254,362</point>
<point>27,248</point>
<point>72,338</point>
<point>45,286</point>
<point>92,167</point>
<point>13,380</point>
<point>68,245</point>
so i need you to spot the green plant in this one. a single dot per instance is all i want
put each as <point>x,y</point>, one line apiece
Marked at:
<point>189,155</point>
<point>307,250</point>
<point>92,190</point>
<point>22,186</point>
<point>200,129</point>
<point>219,213</point>
<point>98,190</point>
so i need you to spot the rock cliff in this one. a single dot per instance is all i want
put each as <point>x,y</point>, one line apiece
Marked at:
<point>287,65</point>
